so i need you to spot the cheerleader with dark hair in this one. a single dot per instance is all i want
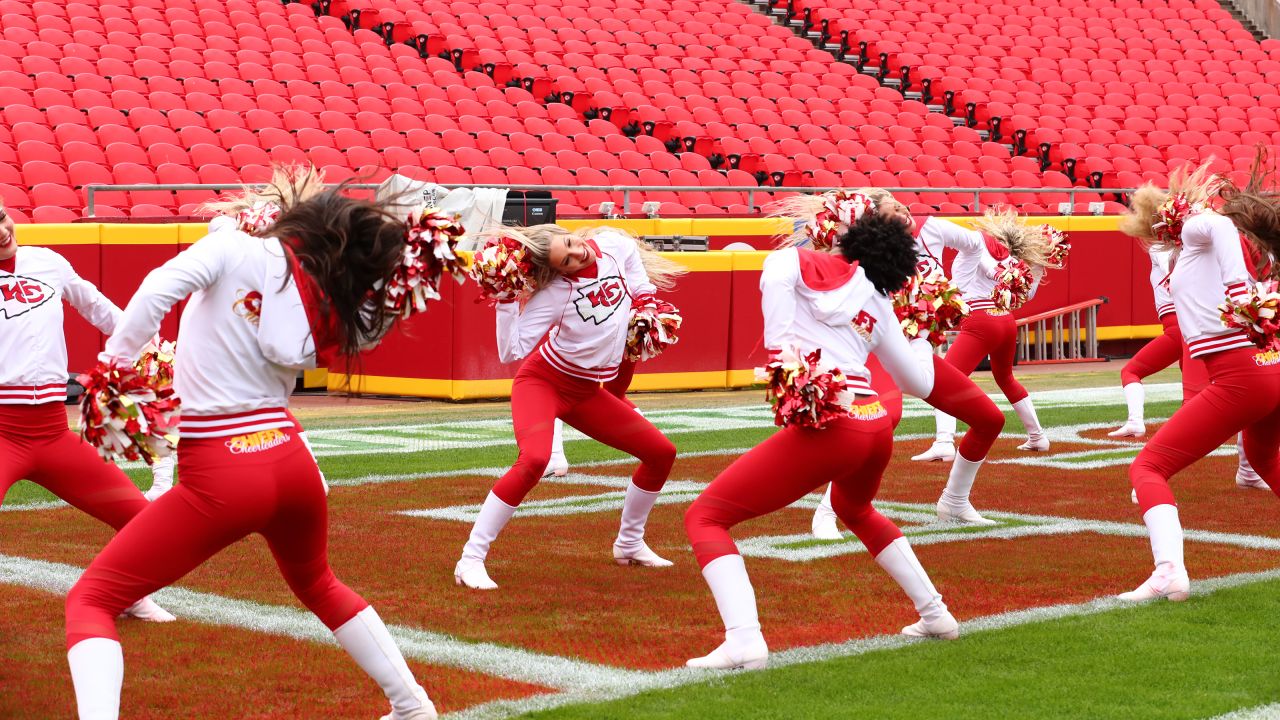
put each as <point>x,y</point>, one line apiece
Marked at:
<point>838,305</point>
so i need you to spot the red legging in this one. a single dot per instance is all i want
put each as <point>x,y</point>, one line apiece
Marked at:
<point>35,444</point>
<point>1244,395</point>
<point>268,484</point>
<point>983,333</point>
<point>541,393</point>
<point>850,453</point>
<point>618,386</point>
<point>954,394</point>
<point>1164,351</point>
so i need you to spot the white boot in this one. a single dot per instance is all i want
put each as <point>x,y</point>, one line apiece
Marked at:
<point>558,465</point>
<point>1036,441</point>
<point>744,646</point>
<point>147,610</point>
<point>944,442</point>
<point>630,548</point>
<point>824,519</point>
<point>1170,578</point>
<point>1246,476</point>
<point>366,640</point>
<point>303,437</point>
<point>1135,426</point>
<point>161,477</point>
<point>470,572</point>
<point>97,671</point>
<point>954,505</point>
<point>902,565</point>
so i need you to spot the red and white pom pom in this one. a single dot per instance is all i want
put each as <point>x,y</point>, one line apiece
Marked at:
<point>156,364</point>
<point>838,208</point>
<point>1013,284</point>
<point>929,306</point>
<point>1167,228</point>
<point>653,328</point>
<point>124,416</point>
<point>503,270</point>
<point>1059,246</point>
<point>801,391</point>
<point>430,245</point>
<point>1258,315</point>
<point>258,217</point>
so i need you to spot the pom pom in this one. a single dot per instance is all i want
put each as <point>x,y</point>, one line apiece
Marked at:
<point>1257,316</point>
<point>503,270</point>
<point>125,416</point>
<point>928,306</point>
<point>431,240</point>
<point>156,364</point>
<point>257,217</point>
<point>837,207</point>
<point>653,327</point>
<point>801,391</point>
<point>1167,229</point>
<point>1059,246</point>
<point>1013,284</point>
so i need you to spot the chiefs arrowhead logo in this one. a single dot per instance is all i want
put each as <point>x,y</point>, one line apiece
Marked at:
<point>598,301</point>
<point>20,295</point>
<point>864,324</point>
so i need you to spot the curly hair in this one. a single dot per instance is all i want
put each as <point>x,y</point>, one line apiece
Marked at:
<point>884,248</point>
<point>1255,208</point>
<point>1025,242</point>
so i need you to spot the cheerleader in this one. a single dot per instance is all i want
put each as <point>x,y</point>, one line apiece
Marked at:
<point>253,211</point>
<point>35,442</point>
<point>953,392</point>
<point>571,333</point>
<point>1244,389</point>
<point>983,255</point>
<point>324,287</point>
<point>839,305</point>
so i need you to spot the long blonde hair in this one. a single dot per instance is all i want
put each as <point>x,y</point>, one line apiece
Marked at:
<point>537,241</point>
<point>804,208</point>
<point>289,185</point>
<point>1198,186</point>
<point>1025,242</point>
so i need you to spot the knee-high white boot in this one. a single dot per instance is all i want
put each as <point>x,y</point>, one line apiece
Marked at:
<point>367,641</point>
<point>944,442</point>
<point>630,548</point>
<point>744,646</point>
<point>902,565</point>
<point>1170,578</point>
<point>470,572</point>
<point>824,519</point>
<point>161,477</point>
<point>97,672</point>
<point>558,465</point>
<point>1036,441</point>
<point>1135,398</point>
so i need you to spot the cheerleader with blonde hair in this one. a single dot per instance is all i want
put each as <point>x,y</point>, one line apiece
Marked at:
<point>563,304</point>
<point>1243,395</point>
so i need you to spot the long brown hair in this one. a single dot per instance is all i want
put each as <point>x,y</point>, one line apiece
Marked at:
<point>349,248</point>
<point>1255,208</point>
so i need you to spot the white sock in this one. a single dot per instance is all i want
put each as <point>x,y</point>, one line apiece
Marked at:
<point>1166,536</point>
<point>1027,414</point>
<point>900,562</point>
<point>1245,468</point>
<point>97,671</point>
<point>1135,397</point>
<point>825,503</point>
<point>303,437</point>
<point>162,473</point>
<point>946,427</point>
<point>960,481</point>
<point>735,599</point>
<point>635,513</point>
<point>557,438</point>
<point>494,515</point>
<point>367,641</point>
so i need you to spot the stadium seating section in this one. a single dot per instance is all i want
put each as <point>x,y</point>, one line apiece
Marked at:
<point>678,93</point>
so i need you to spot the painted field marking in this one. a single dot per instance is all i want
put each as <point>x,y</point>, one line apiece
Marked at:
<point>1261,712</point>
<point>487,658</point>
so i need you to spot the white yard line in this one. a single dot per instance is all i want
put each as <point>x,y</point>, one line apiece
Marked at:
<point>1261,712</point>
<point>437,648</point>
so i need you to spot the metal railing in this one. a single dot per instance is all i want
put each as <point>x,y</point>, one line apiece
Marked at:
<point>91,191</point>
<point>1052,341</point>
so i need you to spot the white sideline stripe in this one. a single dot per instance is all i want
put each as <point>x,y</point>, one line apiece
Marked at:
<point>501,709</point>
<point>437,648</point>
<point>1261,712</point>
